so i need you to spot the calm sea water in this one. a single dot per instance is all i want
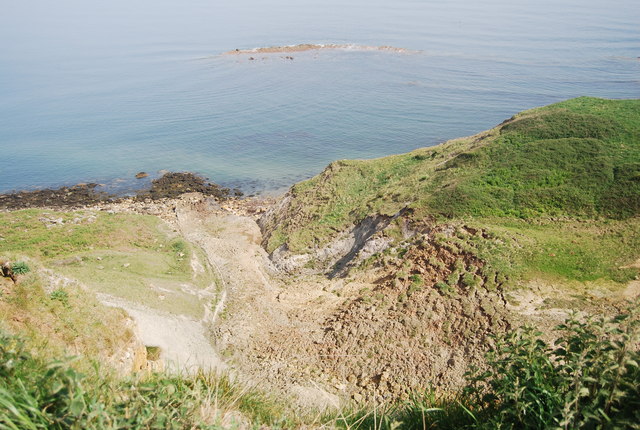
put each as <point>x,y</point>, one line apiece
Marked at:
<point>98,91</point>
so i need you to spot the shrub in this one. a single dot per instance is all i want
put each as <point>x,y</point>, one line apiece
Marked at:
<point>589,379</point>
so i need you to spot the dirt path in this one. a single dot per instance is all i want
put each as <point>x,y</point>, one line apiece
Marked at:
<point>266,326</point>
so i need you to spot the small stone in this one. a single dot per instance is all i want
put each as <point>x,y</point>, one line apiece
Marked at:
<point>141,175</point>
<point>357,397</point>
<point>126,265</point>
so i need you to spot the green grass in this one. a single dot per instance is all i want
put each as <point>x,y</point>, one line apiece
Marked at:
<point>578,158</point>
<point>580,251</point>
<point>133,257</point>
<point>68,319</point>
<point>556,188</point>
<point>79,231</point>
<point>555,250</point>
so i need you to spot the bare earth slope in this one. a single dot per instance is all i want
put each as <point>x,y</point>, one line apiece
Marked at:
<point>374,335</point>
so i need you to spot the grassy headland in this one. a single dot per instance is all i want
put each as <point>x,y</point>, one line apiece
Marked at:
<point>560,184</point>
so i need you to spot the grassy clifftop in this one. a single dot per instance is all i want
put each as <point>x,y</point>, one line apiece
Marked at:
<point>578,158</point>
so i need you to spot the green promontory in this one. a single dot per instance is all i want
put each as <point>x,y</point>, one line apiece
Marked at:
<point>578,158</point>
<point>558,186</point>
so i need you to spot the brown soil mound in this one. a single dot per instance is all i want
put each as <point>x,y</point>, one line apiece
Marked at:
<point>413,329</point>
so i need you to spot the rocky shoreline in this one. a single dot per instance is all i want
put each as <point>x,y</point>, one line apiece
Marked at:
<point>169,186</point>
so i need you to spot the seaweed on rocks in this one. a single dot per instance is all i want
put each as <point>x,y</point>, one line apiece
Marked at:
<point>170,185</point>
<point>173,184</point>
<point>65,197</point>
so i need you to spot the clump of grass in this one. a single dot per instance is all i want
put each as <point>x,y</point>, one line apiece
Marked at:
<point>60,295</point>
<point>416,284</point>
<point>470,280</point>
<point>444,288</point>
<point>20,268</point>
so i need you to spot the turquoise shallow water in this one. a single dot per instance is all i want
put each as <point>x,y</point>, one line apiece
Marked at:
<point>98,91</point>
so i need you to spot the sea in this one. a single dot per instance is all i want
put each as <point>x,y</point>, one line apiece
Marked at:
<point>97,91</point>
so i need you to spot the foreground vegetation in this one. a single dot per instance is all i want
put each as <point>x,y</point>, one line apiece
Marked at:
<point>60,369</point>
<point>590,378</point>
<point>51,394</point>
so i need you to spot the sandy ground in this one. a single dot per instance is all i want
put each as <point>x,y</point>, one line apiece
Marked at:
<point>184,342</point>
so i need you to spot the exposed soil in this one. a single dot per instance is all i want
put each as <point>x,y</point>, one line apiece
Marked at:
<point>372,336</point>
<point>256,322</point>
<point>409,329</point>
